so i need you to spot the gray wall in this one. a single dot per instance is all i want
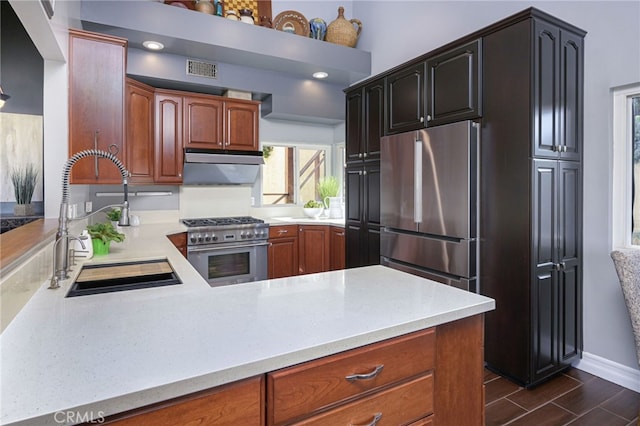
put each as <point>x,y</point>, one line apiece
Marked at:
<point>612,58</point>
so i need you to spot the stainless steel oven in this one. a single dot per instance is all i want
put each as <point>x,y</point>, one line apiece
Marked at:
<point>228,251</point>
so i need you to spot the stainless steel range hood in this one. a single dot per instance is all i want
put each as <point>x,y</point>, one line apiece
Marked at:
<point>220,167</point>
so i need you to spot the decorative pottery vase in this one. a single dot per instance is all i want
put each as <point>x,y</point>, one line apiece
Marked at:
<point>219,7</point>
<point>100,248</point>
<point>231,14</point>
<point>265,21</point>
<point>342,31</point>
<point>246,16</point>
<point>23,210</point>
<point>205,6</point>
<point>318,28</point>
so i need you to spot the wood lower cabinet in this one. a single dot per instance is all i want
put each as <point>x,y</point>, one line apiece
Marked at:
<point>283,251</point>
<point>337,256</point>
<point>139,131</point>
<point>314,244</point>
<point>97,65</point>
<point>180,241</point>
<point>239,403</point>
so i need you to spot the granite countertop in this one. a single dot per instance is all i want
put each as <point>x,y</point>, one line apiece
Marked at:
<point>117,351</point>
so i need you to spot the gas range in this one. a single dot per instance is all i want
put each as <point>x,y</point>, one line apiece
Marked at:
<point>221,230</point>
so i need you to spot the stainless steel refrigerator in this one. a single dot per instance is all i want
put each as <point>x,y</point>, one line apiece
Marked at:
<point>429,203</point>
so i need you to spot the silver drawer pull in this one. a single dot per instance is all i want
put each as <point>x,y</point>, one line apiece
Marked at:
<point>374,422</point>
<point>282,231</point>
<point>367,376</point>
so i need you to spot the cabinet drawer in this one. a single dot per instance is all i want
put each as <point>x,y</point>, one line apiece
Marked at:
<point>283,231</point>
<point>400,405</point>
<point>302,389</point>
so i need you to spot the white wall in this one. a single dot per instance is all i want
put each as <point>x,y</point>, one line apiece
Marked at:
<point>612,58</point>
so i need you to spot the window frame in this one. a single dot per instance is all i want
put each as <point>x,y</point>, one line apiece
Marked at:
<point>622,185</point>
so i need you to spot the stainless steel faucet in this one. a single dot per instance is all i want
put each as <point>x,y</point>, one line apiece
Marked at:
<point>61,246</point>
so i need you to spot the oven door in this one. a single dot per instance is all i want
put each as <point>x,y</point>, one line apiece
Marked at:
<point>226,264</point>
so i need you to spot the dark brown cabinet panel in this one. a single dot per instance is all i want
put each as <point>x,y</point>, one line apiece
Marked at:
<point>139,131</point>
<point>406,99</point>
<point>202,122</point>
<point>241,125</point>
<point>531,209</point>
<point>354,125</point>
<point>283,251</point>
<point>97,65</point>
<point>363,215</point>
<point>168,138</point>
<point>365,122</point>
<point>337,244</point>
<point>454,90</point>
<point>180,241</point>
<point>314,249</point>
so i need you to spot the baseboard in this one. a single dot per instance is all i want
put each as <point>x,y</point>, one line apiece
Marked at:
<point>609,370</point>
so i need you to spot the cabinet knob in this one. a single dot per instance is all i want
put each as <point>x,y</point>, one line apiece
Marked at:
<point>364,155</point>
<point>422,119</point>
<point>364,172</point>
<point>428,118</point>
<point>359,155</point>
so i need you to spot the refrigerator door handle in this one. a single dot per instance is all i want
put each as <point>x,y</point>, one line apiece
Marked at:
<point>417,182</point>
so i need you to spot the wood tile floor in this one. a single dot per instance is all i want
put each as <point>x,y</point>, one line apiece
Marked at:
<point>573,398</point>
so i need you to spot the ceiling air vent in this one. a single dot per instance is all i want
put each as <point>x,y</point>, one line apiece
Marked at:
<point>202,69</point>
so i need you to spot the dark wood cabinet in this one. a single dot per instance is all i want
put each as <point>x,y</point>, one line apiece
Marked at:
<point>283,251</point>
<point>97,65</point>
<point>203,126</point>
<point>365,122</point>
<point>168,137</point>
<point>241,125</point>
<point>363,214</point>
<point>180,241</point>
<point>454,84</point>
<point>139,140</point>
<point>406,94</point>
<point>337,259</point>
<point>531,205</point>
<point>314,249</point>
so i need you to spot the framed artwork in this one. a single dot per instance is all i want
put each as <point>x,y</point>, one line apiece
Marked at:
<point>48,7</point>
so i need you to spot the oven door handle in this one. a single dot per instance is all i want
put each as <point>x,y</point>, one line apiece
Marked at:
<point>224,247</point>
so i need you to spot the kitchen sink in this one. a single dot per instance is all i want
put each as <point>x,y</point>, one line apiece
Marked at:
<point>111,277</point>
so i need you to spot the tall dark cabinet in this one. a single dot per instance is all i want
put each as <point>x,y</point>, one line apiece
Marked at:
<point>531,196</point>
<point>365,108</point>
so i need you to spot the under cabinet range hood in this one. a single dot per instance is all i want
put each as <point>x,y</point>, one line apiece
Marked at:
<point>220,167</point>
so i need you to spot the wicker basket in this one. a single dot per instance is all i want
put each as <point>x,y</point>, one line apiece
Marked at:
<point>342,31</point>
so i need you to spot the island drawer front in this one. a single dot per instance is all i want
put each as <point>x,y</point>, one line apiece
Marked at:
<point>399,405</point>
<point>299,390</point>
<point>283,231</point>
<point>238,403</point>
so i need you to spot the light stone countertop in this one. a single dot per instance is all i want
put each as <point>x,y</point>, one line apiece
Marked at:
<point>108,353</point>
<point>286,220</point>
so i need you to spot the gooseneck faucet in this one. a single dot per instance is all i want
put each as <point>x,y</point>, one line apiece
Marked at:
<point>61,245</point>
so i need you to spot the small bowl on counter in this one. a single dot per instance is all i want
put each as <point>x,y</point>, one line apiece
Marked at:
<point>313,212</point>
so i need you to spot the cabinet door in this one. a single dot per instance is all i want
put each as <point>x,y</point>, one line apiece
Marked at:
<point>569,256</point>
<point>373,119</point>
<point>454,90</point>
<point>283,257</point>
<point>314,249</point>
<point>337,246</point>
<point>571,94</point>
<point>354,124</point>
<point>241,126</point>
<point>97,66</point>
<point>406,99</point>
<point>546,90</point>
<point>202,122</point>
<point>168,138</point>
<point>372,193</point>
<point>139,125</point>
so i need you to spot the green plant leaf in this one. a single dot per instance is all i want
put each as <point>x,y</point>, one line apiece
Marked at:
<point>105,232</point>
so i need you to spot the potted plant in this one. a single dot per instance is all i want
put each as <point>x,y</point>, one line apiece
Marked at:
<point>328,187</point>
<point>114,216</point>
<point>24,181</point>
<point>101,236</point>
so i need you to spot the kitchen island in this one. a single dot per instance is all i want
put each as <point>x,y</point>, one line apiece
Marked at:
<point>105,354</point>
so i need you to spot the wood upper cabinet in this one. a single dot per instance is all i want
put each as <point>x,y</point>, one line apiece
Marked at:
<point>168,137</point>
<point>97,65</point>
<point>238,403</point>
<point>139,131</point>
<point>337,258</point>
<point>314,249</point>
<point>406,99</point>
<point>454,84</point>
<point>241,125</point>
<point>283,251</point>
<point>203,122</point>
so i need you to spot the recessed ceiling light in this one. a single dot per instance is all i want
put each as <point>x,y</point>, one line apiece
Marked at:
<point>153,45</point>
<point>320,75</point>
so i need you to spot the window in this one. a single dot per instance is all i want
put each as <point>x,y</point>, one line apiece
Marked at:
<point>626,166</point>
<point>291,173</point>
